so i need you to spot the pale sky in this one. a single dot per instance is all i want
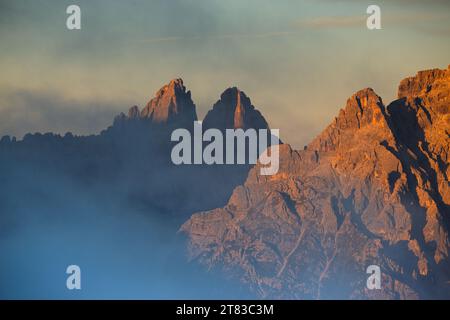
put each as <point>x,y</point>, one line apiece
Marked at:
<point>298,61</point>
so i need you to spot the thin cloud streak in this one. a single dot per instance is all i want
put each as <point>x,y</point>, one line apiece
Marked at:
<point>336,22</point>
<point>331,22</point>
<point>222,36</point>
<point>324,22</point>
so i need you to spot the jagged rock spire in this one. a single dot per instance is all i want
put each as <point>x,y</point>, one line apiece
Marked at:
<point>234,110</point>
<point>172,103</point>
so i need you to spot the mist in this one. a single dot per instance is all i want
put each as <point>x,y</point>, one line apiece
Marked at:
<point>52,215</point>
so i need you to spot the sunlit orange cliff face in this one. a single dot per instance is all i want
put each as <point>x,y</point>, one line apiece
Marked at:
<point>372,189</point>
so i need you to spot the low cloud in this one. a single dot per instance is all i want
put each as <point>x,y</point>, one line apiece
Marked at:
<point>24,110</point>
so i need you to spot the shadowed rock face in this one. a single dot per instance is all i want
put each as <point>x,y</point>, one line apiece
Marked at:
<point>134,113</point>
<point>234,110</point>
<point>117,193</point>
<point>134,154</point>
<point>371,189</point>
<point>182,189</point>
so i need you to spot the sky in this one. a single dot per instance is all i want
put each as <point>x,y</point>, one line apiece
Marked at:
<point>298,60</point>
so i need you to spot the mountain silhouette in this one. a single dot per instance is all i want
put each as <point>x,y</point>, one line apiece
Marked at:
<point>133,154</point>
<point>234,110</point>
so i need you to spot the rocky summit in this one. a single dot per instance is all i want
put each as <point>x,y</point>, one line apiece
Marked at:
<point>372,189</point>
<point>171,103</point>
<point>234,110</point>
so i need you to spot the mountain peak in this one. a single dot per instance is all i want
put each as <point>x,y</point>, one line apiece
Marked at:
<point>177,82</point>
<point>366,98</point>
<point>171,103</point>
<point>364,108</point>
<point>234,110</point>
<point>423,82</point>
<point>424,96</point>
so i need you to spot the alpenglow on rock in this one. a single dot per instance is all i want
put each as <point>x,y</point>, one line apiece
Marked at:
<point>171,104</point>
<point>372,189</point>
